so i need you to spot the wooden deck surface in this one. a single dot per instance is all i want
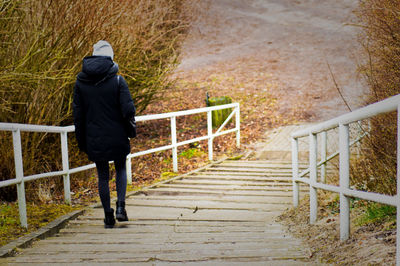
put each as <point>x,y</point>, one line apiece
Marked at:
<point>222,215</point>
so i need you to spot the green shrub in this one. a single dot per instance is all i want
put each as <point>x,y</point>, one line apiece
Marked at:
<point>192,152</point>
<point>376,212</point>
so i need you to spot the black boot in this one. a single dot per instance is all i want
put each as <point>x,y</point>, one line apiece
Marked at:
<point>121,212</point>
<point>109,219</point>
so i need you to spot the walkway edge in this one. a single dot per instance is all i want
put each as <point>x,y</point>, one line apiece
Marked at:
<point>55,226</point>
<point>48,230</point>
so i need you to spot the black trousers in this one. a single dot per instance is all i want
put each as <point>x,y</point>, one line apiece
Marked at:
<point>103,172</point>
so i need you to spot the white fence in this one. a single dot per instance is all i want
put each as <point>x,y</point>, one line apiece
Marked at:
<point>20,179</point>
<point>343,122</point>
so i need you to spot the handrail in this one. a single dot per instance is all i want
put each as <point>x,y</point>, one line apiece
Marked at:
<point>346,192</point>
<point>374,109</point>
<point>20,179</point>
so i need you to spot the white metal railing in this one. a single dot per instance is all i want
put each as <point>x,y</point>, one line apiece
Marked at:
<point>20,179</point>
<point>342,122</point>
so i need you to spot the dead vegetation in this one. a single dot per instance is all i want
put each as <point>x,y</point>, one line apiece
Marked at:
<point>371,243</point>
<point>373,229</point>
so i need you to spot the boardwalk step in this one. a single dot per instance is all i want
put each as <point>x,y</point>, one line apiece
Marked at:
<point>215,198</point>
<point>233,174</point>
<point>195,181</point>
<point>239,178</point>
<point>207,192</point>
<point>247,170</point>
<point>223,188</point>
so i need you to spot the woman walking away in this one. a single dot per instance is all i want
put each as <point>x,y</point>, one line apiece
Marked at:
<point>102,102</point>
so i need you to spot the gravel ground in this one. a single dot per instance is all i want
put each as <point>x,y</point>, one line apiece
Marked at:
<point>292,40</point>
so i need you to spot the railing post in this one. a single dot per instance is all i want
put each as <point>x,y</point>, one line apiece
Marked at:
<point>313,178</point>
<point>324,144</point>
<point>19,175</point>
<point>65,164</point>
<point>210,136</point>
<point>398,190</point>
<point>128,166</point>
<point>174,141</point>
<point>344,176</point>
<point>295,171</point>
<point>237,118</point>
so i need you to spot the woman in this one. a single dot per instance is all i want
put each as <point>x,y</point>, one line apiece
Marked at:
<point>102,102</point>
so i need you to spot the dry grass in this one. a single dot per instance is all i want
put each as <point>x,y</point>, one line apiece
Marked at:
<point>42,45</point>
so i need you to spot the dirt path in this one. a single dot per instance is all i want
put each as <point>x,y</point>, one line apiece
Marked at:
<point>292,40</point>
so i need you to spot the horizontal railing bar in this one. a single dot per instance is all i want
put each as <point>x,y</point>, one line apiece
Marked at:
<point>44,175</point>
<point>32,128</point>
<point>9,182</point>
<point>186,112</point>
<point>69,129</point>
<point>377,108</point>
<point>371,196</point>
<point>205,137</point>
<point>60,129</point>
<point>191,141</point>
<point>162,148</point>
<point>82,168</point>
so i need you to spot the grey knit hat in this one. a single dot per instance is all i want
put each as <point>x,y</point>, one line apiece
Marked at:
<point>103,48</point>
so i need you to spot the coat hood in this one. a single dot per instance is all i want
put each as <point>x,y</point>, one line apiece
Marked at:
<point>97,68</point>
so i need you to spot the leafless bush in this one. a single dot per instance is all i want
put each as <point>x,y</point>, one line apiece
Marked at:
<point>43,43</point>
<point>380,38</point>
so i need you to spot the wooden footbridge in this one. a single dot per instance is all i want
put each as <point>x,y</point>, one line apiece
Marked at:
<point>223,214</point>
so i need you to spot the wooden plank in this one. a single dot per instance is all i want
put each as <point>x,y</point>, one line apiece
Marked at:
<point>191,191</point>
<point>124,239</point>
<point>261,161</point>
<point>179,227</point>
<point>179,256</point>
<point>260,174</point>
<point>126,230</point>
<point>247,170</point>
<point>193,181</point>
<point>216,197</point>
<point>206,204</point>
<point>263,166</point>
<point>225,188</point>
<point>276,262</point>
<point>137,212</point>
<point>251,170</point>
<point>240,177</point>
<point>138,249</point>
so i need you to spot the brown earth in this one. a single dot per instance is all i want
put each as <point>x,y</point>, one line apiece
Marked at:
<point>369,244</point>
<point>290,41</point>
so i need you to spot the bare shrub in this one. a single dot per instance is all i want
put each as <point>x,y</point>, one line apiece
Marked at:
<point>380,20</point>
<point>43,43</point>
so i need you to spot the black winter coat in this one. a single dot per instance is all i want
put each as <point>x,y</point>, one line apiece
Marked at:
<point>100,107</point>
